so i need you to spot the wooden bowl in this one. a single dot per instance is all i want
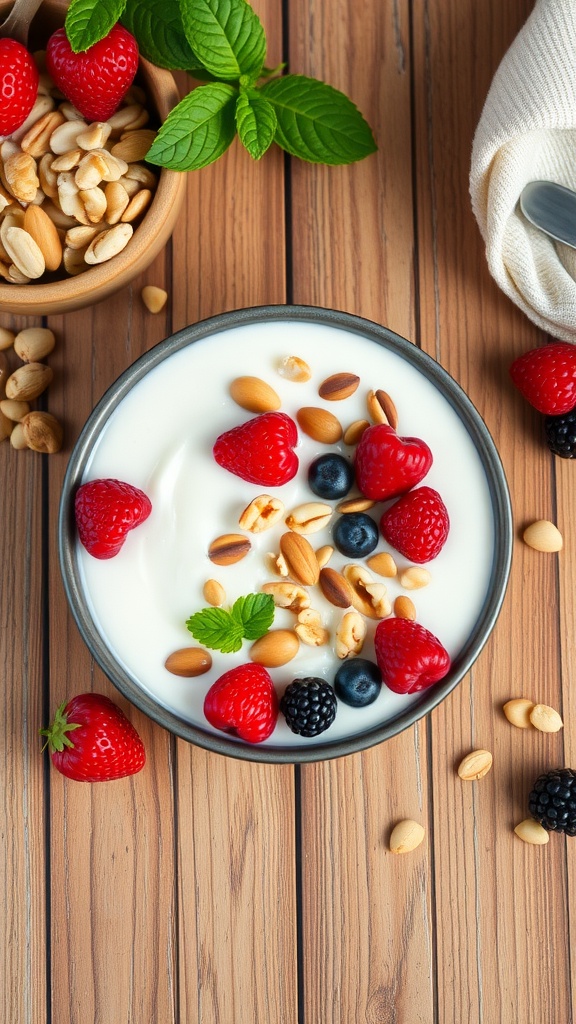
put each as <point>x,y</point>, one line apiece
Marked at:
<point>151,235</point>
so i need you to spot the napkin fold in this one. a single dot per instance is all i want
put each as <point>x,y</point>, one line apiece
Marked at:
<point>527,132</point>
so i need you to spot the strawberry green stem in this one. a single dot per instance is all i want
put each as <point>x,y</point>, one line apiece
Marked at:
<point>57,733</point>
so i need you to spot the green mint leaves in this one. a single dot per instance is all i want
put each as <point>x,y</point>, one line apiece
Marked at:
<point>222,630</point>
<point>222,43</point>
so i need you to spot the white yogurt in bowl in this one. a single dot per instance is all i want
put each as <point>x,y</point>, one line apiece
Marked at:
<point>155,429</point>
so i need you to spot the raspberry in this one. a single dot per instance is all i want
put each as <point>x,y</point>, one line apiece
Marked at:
<point>309,706</point>
<point>106,510</point>
<point>409,656</point>
<point>417,525</point>
<point>388,465</point>
<point>546,377</point>
<point>261,450</point>
<point>243,701</point>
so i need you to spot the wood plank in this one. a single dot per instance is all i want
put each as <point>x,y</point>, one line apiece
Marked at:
<point>488,939</point>
<point>367,950</point>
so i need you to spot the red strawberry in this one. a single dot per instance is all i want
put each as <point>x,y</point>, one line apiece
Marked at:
<point>388,465</point>
<point>18,85</point>
<point>260,451</point>
<point>409,656</point>
<point>105,512</point>
<point>94,81</point>
<point>103,746</point>
<point>417,525</point>
<point>546,377</point>
<point>244,701</point>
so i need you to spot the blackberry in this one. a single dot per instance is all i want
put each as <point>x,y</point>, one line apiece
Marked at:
<point>309,706</point>
<point>561,434</point>
<point>553,800</point>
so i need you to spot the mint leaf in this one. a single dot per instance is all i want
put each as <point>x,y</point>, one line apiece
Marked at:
<point>217,629</point>
<point>198,130</point>
<point>88,21</point>
<point>254,613</point>
<point>160,34</point>
<point>226,36</point>
<point>316,122</point>
<point>256,122</point>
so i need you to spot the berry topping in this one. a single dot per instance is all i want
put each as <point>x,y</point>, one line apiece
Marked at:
<point>358,682</point>
<point>388,465</point>
<point>18,85</point>
<point>243,701</point>
<point>91,740</point>
<point>552,801</point>
<point>95,81</point>
<point>261,450</point>
<point>106,510</point>
<point>309,706</point>
<point>409,656</point>
<point>330,476</point>
<point>546,377</point>
<point>417,525</point>
<point>355,534</point>
<point>561,434</point>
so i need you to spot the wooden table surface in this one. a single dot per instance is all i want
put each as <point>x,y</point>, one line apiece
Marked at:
<point>212,890</point>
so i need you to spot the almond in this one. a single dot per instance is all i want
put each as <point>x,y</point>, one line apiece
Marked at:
<point>139,202</point>
<point>24,252</point>
<point>33,344</point>
<point>383,564</point>
<point>17,439</point>
<point>319,424</point>
<point>214,593</point>
<point>354,432</point>
<point>311,517</point>
<point>295,369</point>
<point>14,410</point>
<point>6,338</point>
<point>404,608</point>
<point>42,432</point>
<point>359,504</point>
<point>542,535</point>
<point>388,407</point>
<point>338,386</point>
<point>518,712</point>
<point>134,145</point>
<point>545,718</point>
<point>254,394</point>
<point>414,578</point>
<point>29,381</point>
<point>228,549</point>
<point>189,662</point>
<point>300,558</point>
<point>43,231</point>
<point>531,831</point>
<point>475,765</point>
<point>406,836</point>
<point>336,588</point>
<point>275,648</point>
<point>375,410</point>
<point>323,555</point>
<point>109,243</point>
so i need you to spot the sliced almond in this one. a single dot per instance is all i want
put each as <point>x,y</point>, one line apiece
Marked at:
<point>532,832</point>
<point>383,564</point>
<point>28,382</point>
<point>261,514</point>
<point>300,558</point>
<point>475,765</point>
<point>228,549</point>
<point>336,588</point>
<point>189,662</point>
<point>406,836</point>
<point>338,387</point>
<point>518,712</point>
<point>319,424</point>
<point>288,595</point>
<point>545,718</point>
<point>311,517</point>
<point>33,344</point>
<point>42,432</point>
<point>275,648</point>
<point>214,593</point>
<point>295,369</point>
<point>543,535</point>
<point>254,394</point>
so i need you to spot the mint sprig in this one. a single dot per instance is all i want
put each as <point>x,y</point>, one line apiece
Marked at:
<point>224,630</point>
<point>223,43</point>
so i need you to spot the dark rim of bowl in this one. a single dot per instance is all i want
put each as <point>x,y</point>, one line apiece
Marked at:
<point>503,532</point>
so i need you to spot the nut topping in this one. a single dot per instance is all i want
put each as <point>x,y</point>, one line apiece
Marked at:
<point>295,369</point>
<point>254,394</point>
<point>336,588</point>
<point>288,595</point>
<point>475,765</point>
<point>275,648</point>
<point>300,559</point>
<point>214,593</point>
<point>228,549</point>
<point>310,629</point>
<point>338,386</point>
<point>189,662</point>
<point>261,513</point>
<point>350,635</point>
<point>309,518</point>
<point>319,424</point>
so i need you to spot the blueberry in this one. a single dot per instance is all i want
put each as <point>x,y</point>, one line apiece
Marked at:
<point>355,535</point>
<point>330,476</point>
<point>357,682</point>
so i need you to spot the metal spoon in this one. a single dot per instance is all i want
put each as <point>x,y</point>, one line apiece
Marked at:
<point>552,208</point>
<point>17,23</point>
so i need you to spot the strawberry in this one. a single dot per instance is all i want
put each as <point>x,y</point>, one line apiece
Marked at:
<point>417,524</point>
<point>388,465</point>
<point>18,85</point>
<point>243,701</point>
<point>409,656</point>
<point>104,745</point>
<point>260,451</point>
<point>94,81</point>
<point>546,377</point>
<point>105,512</point>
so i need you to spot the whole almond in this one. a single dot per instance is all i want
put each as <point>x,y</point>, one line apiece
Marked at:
<point>359,504</point>
<point>33,344</point>
<point>404,608</point>
<point>338,386</point>
<point>14,410</point>
<point>406,836</point>
<point>543,535</point>
<point>29,381</point>
<point>295,369</point>
<point>254,394</point>
<point>324,554</point>
<point>383,564</point>
<point>518,712</point>
<point>319,424</point>
<point>531,831</point>
<point>375,410</point>
<point>43,432</point>
<point>214,593</point>
<point>336,588</point>
<point>108,244</point>
<point>228,549</point>
<point>388,407</point>
<point>300,558</point>
<point>475,765</point>
<point>24,252</point>
<point>134,145</point>
<point>275,648</point>
<point>189,662</point>
<point>43,231</point>
<point>17,439</point>
<point>354,432</point>
<point>139,202</point>
<point>545,718</point>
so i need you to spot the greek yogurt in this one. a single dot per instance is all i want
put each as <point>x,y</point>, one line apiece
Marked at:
<point>160,437</point>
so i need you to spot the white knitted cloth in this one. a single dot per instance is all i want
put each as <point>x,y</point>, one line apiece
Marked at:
<point>527,132</point>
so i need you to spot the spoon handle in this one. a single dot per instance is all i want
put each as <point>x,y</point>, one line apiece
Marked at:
<point>18,21</point>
